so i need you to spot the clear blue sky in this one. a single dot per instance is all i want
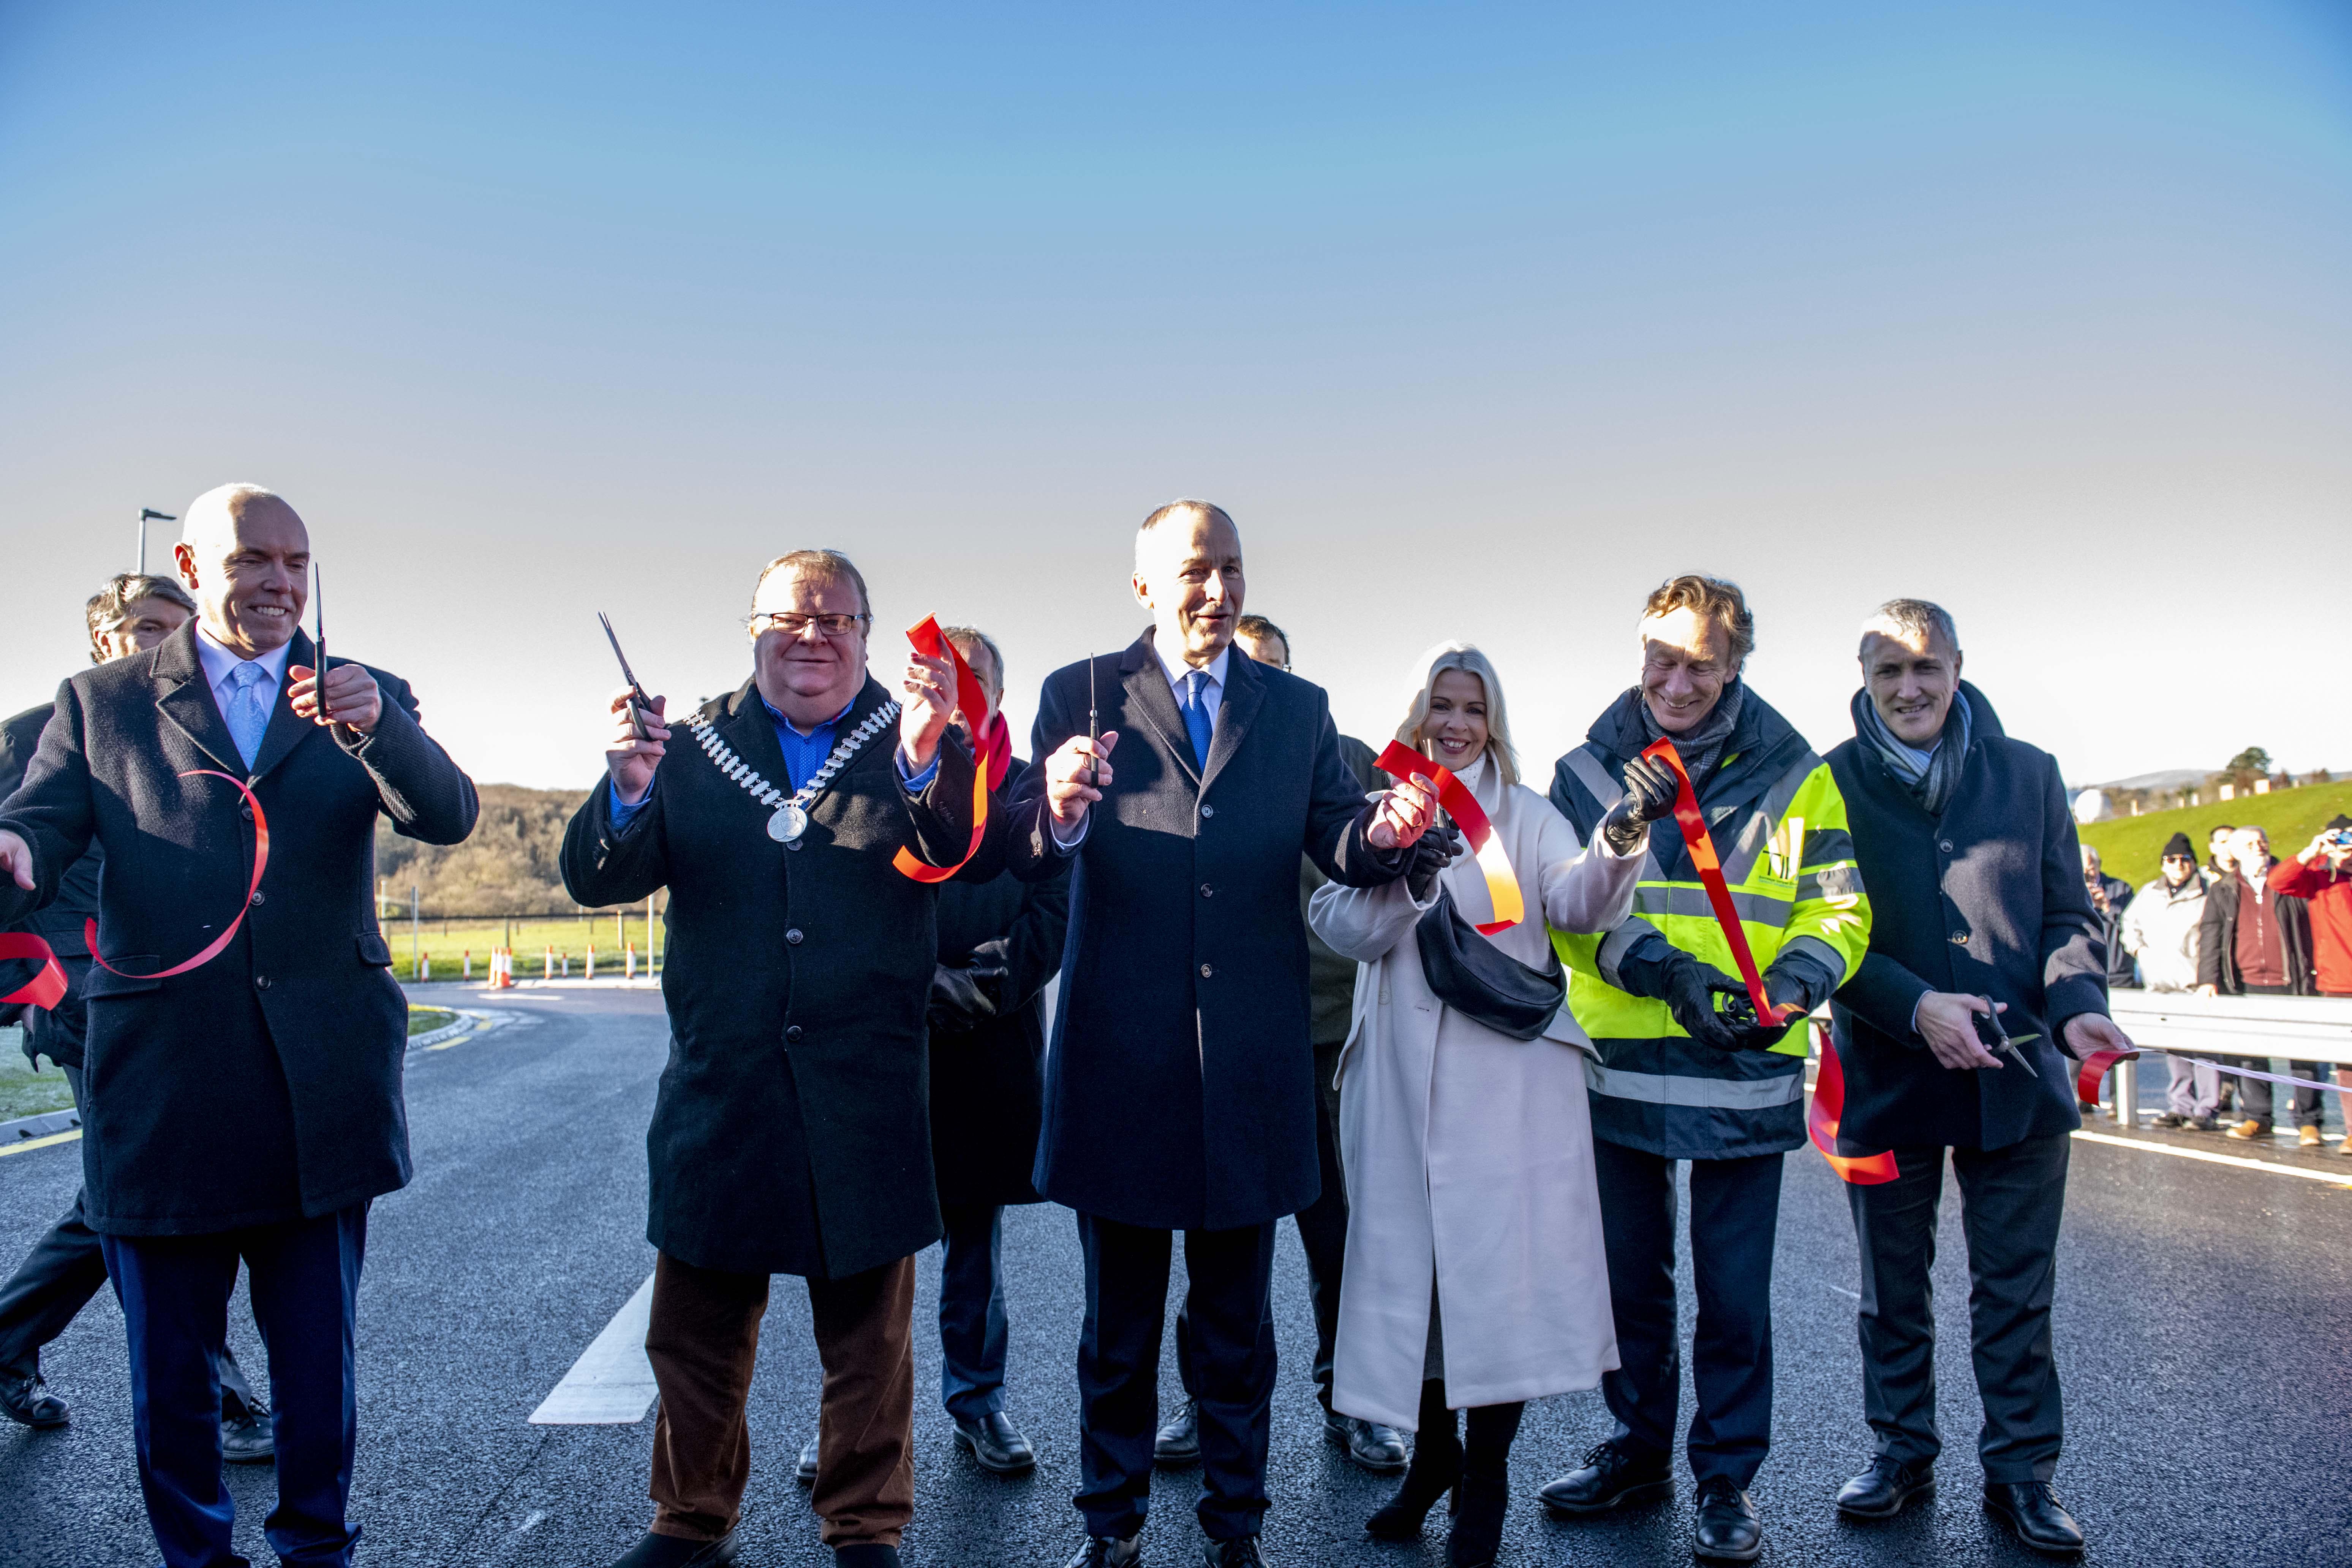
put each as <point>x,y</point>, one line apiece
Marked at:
<point>1481,320</point>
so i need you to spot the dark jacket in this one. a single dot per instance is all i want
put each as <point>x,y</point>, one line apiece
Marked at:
<point>1988,900</point>
<point>55,1032</point>
<point>1331,978</point>
<point>987,1077</point>
<point>294,1034</point>
<point>791,1132</point>
<point>2217,938</point>
<point>2121,971</point>
<point>1180,1087</point>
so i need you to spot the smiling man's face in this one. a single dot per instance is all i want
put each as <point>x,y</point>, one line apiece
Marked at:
<point>246,559</point>
<point>1912,681</point>
<point>1188,573</point>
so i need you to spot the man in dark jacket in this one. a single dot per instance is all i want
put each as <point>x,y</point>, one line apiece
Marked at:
<point>1180,1091</point>
<point>2110,898</point>
<point>792,1133</point>
<point>2256,941</point>
<point>1980,920</point>
<point>999,947</point>
<point>1323,1224</point>
<point>132,613</point>
<point>1679,1079</point>
<point>228,992</point>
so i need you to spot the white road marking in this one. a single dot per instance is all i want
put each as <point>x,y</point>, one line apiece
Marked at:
<point>1849,1295</point>
<point>2270,1166</point>
<point>612,1383</point>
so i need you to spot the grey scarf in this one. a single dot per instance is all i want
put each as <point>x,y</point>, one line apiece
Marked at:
<point>1929,776</point>
<point>1701,745</point>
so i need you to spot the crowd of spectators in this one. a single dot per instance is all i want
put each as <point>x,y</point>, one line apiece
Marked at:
<point>2243,923</point>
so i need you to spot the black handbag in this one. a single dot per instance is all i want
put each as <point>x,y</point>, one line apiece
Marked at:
<point>1480,981</point>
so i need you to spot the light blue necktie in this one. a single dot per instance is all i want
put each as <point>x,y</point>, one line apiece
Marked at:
<point>1196,714</point>
<point>248,715</point>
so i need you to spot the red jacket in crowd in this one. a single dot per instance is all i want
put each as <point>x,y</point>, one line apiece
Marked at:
<point>2330,895</point>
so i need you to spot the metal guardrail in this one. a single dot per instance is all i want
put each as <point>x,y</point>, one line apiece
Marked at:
<point>2297,1028</point>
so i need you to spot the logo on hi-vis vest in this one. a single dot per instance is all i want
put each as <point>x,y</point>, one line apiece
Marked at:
<point>1784,850</point>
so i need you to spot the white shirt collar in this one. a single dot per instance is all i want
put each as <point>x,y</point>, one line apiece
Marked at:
<point>1176,670</point>
<point>218,661</point>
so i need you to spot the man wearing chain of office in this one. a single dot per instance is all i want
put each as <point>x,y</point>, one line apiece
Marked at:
<point>791,1131</point>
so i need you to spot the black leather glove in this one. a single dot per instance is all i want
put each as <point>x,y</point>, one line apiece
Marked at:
<point>1650,790</point>
<point>958,1001</point>
<point>1431,854</point>
<point>1752,1033</point>
<point>1691,988</point>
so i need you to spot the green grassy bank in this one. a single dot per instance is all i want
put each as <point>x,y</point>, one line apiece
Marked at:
<point>2132,847</point>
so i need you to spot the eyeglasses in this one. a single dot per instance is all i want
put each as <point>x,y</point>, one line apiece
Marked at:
<point>794,623</point>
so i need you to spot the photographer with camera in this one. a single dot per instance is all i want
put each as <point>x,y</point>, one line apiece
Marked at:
<point>2322,876</point>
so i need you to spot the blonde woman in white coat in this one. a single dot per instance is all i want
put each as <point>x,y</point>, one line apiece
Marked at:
<point>1475,1275</point>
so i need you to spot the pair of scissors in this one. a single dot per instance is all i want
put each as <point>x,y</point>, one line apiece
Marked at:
<point>1998,1041</point>
<point>639,702</point>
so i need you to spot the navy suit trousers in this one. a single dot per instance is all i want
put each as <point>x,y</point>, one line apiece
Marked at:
<point>1230,1275</point>
<point>174,1292</point>
<point>971,1310</point>
<point>1734,1214</point>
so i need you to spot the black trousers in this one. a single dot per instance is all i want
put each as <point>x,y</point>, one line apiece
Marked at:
<point>1734,1214</point>
<point>56,1279</point>
<point>1228,1306</point>
<point>1322,1232</point>
<point>2010,1201</point>
<point>2256,1100</point>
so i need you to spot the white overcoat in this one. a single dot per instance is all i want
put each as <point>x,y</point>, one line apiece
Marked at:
<point>1469,1154</point>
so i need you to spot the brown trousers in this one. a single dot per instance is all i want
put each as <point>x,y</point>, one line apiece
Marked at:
<point>703,1340</point>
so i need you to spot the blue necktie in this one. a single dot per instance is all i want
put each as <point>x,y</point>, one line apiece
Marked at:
<point>1197,722</point>
<point>248,717</point>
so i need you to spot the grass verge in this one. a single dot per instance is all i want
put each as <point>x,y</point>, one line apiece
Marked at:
<point>424,1020</point>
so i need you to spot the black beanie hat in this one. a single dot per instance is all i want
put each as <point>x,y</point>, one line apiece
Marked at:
<point>2178,844</point>
<point>2338,822</point>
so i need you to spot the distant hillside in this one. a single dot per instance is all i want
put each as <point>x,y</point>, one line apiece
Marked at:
<point>507,867</point>
<point>2132,847</point>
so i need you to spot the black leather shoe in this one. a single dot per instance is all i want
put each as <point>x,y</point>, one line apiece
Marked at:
<point>996,1444</point>
<point>1612,1476</point>
<point>1726,1529</point>
<point>805,1471</point>
<point>1179,1442</point>
<point>25,1402</point>
<point>1371,1446</point>
<point>1436,1470</point>
<point>1240,1552</point>
<point>1880,1491</point>
<point>247,1440</point>
<point>1109,1551</point>
<point>865,1554</point>
<point>677,1552</point>
<point>2033,1510</point>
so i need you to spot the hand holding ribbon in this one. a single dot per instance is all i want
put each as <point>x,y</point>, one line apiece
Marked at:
<point>937,705</point>
<point>1402,761</point>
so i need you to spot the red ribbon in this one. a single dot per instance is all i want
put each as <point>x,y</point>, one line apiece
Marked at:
<point>1827,1110</point>
<point>1401,761</point>
<point>972,698</point>
<point>2094,1068</point>
<point>999,747</point>
<point>46,989</point>
<point>1689,817</point>
<point>260,861</point>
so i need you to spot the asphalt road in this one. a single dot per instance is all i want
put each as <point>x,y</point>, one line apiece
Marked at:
<point>2204,1327</point>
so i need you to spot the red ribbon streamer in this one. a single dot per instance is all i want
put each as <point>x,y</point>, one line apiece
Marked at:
<point>1689,817</point>
<point>1827,1110</point>
<point>1401,761</point>
<point>974,700</point>
<point>46,989</point>
<point>2095,1067</point>
<point>999,747</point>
<point>260,861</point>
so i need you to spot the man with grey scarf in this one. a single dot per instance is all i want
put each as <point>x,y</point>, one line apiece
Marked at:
<point>1985,962</point>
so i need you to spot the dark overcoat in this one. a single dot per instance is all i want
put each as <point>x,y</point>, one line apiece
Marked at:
<point>55,1032</point>
<point>1180,1088</point>
<point>294,1034</point>
<point>790,1134</point>
<point>1988,900</point>
<point>987,1081</point>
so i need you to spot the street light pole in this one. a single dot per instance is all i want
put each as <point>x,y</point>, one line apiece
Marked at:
<point>146,515</point>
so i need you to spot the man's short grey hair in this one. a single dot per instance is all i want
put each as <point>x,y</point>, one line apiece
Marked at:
<point>967,639</point>
<point>1911,620</point>
<point>1186,508</point>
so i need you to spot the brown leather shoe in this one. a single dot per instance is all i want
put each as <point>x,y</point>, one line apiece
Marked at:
<point>2344,1147</point>
<point>2249,1130</point>
<point>2309,1137</point>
